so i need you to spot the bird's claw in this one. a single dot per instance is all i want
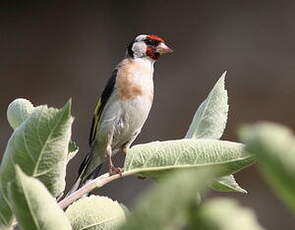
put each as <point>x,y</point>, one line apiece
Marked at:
<point>113,170</point>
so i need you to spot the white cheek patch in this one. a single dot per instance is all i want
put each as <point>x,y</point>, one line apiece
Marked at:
<point>140,37</point>
<point>139,49</point>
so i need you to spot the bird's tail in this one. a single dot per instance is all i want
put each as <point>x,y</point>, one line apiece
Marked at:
<point>83,178</point>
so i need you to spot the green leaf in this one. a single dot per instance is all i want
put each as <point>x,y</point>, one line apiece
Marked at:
<point>227,184</point>
<point>224,214</point>
<point>40,147</point>
<point>155,158</point>
<point>210,119</point>
<point>5,213</point>
<point>274,147</point>
<point>95,213</point>
<point>166,205</point>
<point>209,122</point>
<point>33,206</point>
<point>18,111</point>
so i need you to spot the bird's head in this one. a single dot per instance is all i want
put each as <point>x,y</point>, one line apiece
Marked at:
<point>150,46</point>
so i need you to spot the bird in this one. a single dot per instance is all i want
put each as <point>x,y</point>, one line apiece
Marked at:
<point>123,107</point>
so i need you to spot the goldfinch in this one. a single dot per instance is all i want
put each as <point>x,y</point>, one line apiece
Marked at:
<point>123,106</point>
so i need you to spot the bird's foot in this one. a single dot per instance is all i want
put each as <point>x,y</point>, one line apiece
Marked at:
<point>113,170</point>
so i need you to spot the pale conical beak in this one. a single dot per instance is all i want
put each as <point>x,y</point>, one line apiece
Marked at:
<point>162,48</point>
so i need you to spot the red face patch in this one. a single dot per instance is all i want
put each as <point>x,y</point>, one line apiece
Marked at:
<point>153,55</point>
<point>155,37</point>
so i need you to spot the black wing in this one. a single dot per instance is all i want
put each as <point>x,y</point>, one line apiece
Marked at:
<point>107,92</point>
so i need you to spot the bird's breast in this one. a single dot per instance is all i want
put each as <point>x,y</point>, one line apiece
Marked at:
<point>135,80</point>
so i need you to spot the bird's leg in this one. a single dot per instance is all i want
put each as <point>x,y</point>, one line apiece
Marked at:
<point>112,169</point>
<point>125,148</point>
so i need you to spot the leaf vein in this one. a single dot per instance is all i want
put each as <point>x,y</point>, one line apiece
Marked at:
<point>3,219</point>
<point>99,223</point>
<point>29,206</point>
<point>46,142</point>
<point>38,130</point>
<point>27,148</point>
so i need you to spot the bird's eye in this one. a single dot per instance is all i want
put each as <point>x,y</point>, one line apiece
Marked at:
<point>151,42</point>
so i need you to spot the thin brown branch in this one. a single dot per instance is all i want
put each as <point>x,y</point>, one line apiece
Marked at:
<point>95,183</point>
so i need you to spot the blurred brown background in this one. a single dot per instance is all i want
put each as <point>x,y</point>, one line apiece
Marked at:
<point>53,50</point>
